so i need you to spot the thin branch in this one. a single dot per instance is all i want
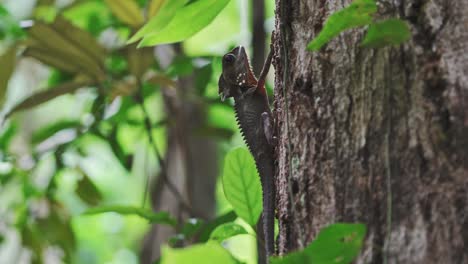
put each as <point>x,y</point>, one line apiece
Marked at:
<point>172,188</point>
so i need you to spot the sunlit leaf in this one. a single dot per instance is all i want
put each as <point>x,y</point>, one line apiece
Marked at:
<point>7,62</point>
<point>47,95</point>
<point>226,231</point>
<point>158,22</point>
<point>241,185</point>
<point>358,13</point>
<point>197,254</point>
<point>389,32</point>
<point>126,11</point>
<point>88,191</point>
<point>45,13</point>
<point>48,131</point>
<point>6,135</point>
<point>93,16</point>
<point>9,28</point>
<point>337,243</point>
<point>200,14</point>
<point>153,217</point>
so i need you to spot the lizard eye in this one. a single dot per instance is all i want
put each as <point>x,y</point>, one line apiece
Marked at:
<point>229,58</point>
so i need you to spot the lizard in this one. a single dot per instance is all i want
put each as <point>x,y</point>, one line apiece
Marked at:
<point>255,122</point>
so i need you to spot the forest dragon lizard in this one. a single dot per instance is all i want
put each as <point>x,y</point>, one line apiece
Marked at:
<point>256,125</point>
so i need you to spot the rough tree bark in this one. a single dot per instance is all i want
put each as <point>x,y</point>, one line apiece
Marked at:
<point>378,136</point>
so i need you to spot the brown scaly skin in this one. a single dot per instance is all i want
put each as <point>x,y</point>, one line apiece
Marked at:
<point>255,122</point>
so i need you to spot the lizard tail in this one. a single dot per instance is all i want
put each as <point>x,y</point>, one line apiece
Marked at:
<point>269,211</point>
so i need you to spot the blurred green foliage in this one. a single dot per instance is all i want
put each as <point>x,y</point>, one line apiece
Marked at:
<point>77,139</point>
<point>358,14</point>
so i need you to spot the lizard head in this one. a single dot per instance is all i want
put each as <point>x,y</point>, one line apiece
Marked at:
<point>237,73</point>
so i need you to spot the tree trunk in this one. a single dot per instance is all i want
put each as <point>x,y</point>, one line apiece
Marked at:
<point>378,136</point>
<point>191,167</point>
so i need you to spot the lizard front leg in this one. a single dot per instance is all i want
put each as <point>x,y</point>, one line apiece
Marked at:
<point>249,91</point>
<point>268,128</point>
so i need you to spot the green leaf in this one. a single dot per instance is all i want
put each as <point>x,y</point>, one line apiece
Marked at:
<point>81,39</point>
<point>7,60</point>
<point>93,16</point>
<point>358,13</point>
<point>197,254</point>
<point>56,229</point>
<point>389,32</point>
<point>338,243</point>
<point>159,217</point>
<point>160,20</point>
<point>87,191</point>
<point>191,227</point>
<point>181,66</point>
<point>203,78</point>
<point>226,231</point>
<point>186,22</point>
<point>7,132</point>
<point>139,60</point>
<point>48,131</point>
<point>66,47</point>
<point>126,11</point>
<point>211,225</point>
<point>44,96</point>
<point>241,185</point>
<point>154,6</point>
<point>9,28</point>
<point>214,132</point>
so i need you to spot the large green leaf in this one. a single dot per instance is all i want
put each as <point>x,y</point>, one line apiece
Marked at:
<point>241,185</point>
<point>160,19</point>
<point>210,252</point>
<point>159,217</point>
<point>226,231</point>
<point>187,21</point>
<point>337,243</point>
<point>358,13</point>
<point>389,32</point>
